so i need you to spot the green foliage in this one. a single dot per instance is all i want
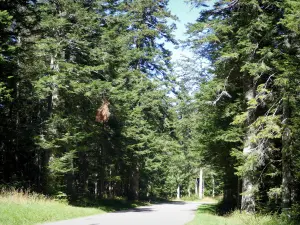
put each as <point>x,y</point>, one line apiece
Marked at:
<point>65,59</point>
<point>251,46</point>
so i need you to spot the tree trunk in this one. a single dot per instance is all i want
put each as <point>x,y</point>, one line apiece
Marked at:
<point>101,171</point>
<point>70,182</point>
<point>96,186</point>
<point>134,184</point>
<point>196,186</point>
<point>110,188</point>
<point>200,183</point>
<point>213,186</point>
<point>248,200</point>
<point>238,199</point>
<point>45,175</point>
<point>203,187</point>
<point>286,159</point>
<point>178,192</point>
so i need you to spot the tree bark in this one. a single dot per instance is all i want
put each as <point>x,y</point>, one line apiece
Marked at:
<point>213,186</point>
<point>248,200</point>
<point>178,192</point>
<point>110,188</point>
<point>196,186</point>
<point>134,183</point>
<point>286,159</point>
<point>200,183</point>
<point>70,182</point>
<point>96,186</point>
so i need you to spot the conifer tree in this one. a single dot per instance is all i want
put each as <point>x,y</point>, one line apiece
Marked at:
<point>249,44</point>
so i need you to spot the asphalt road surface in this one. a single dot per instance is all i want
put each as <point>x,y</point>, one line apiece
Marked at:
<point>175,213</point>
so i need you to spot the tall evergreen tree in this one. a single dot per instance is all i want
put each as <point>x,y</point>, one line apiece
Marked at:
<point>248,44</point>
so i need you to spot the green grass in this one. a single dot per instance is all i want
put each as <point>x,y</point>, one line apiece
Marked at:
<point>19,208</point>
<point>206,215</point>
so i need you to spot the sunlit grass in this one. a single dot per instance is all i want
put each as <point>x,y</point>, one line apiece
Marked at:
<point>206,215</point>
<point>22,208</point>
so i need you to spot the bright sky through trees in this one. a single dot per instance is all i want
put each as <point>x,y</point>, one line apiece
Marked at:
<point>186,14</point>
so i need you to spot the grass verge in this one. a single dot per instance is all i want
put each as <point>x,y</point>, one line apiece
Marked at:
<point>19,208</point>
<point>206,215</point>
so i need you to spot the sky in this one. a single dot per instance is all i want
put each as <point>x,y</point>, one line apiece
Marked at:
<point>186,14</point>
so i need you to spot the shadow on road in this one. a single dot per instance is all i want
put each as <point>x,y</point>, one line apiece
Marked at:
<point>109,205</point>
<point>177,203</point>
<point>169,202</point>
<point>143,209</point>
<point>122,206</point>
<point>150,209</point>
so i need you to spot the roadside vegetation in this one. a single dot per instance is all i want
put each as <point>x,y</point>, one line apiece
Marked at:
<point>209,214</point>
<point>18,207</point>
<point>28,208</point>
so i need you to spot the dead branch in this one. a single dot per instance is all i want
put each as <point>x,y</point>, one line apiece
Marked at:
<point>103,113</point>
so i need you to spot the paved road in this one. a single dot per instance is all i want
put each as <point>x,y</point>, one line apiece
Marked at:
<point>175,213</point>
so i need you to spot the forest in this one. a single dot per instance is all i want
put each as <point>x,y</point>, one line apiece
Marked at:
<point>93,107</point>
